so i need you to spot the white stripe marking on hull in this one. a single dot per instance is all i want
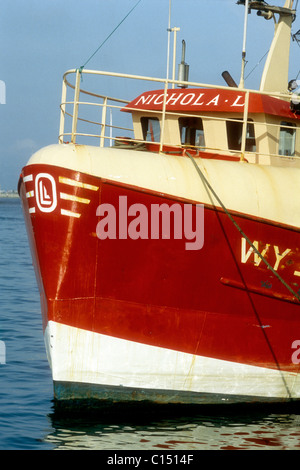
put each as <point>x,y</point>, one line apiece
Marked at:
<point>82,356</point>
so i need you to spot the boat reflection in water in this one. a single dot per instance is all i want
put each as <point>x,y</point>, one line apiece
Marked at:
<point>236,431</point>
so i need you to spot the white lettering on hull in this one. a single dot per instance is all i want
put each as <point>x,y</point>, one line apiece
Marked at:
<point>278,254</point>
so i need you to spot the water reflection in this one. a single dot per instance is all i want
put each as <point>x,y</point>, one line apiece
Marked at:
<point>230,431</point>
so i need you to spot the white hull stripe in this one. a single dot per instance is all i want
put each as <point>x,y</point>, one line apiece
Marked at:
<point>27,178</point>
<point>77,184</point>
<point>81,356</point>
<point>69,213</point>
<point>71,197</point>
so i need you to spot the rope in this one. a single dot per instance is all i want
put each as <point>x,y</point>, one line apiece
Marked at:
<point>206,183</point>
<point>105,40</point>
<point>208,186</point>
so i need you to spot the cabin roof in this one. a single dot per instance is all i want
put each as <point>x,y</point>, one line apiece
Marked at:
<point>210,100</point>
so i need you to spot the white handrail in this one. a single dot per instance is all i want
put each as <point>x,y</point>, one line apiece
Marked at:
<point>114,103</point>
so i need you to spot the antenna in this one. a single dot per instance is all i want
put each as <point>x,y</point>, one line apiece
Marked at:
<point>169,38</point>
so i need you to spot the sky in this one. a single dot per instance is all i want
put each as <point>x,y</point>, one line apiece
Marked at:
<point>41,39</point>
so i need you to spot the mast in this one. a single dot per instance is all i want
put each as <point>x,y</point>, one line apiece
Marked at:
<point>275,73</point>
<point>242,83</point>
<point>275,76</point>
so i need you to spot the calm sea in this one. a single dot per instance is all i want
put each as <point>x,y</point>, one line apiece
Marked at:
<point>28,419</point>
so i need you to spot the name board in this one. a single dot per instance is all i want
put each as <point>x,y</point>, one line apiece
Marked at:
<point>190,100</point>
<point>210,100</point>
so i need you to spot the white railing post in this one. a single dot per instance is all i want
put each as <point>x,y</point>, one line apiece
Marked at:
<point>245,126</point>
<point>103,122</point>
<point>62,112</point>
<point>175,30</point>
<point>162,132</point>
<point>75,107</point>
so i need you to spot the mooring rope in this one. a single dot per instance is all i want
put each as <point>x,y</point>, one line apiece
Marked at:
<point>208,188</point>
<point>206,183</point>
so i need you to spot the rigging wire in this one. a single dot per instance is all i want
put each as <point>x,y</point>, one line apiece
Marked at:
<point>105,40</point>
<point>257,64</point>
<point>296,37</point>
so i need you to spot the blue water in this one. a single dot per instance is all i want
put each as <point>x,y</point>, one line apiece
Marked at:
<point>28,419</point>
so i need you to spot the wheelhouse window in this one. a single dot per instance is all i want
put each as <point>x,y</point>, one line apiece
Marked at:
<point>191,132</point>
<point>287,139</point>
<point>151,129</point>
<point>234,135</point>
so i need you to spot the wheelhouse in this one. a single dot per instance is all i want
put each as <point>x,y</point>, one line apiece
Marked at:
<point>212,121</point>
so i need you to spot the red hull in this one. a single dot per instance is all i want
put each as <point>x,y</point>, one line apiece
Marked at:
<point>204,302</point>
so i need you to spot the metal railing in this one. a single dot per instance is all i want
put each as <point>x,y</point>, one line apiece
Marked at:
<point>106,105</point>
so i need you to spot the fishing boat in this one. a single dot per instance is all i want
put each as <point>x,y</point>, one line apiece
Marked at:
<point>165,235</point>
